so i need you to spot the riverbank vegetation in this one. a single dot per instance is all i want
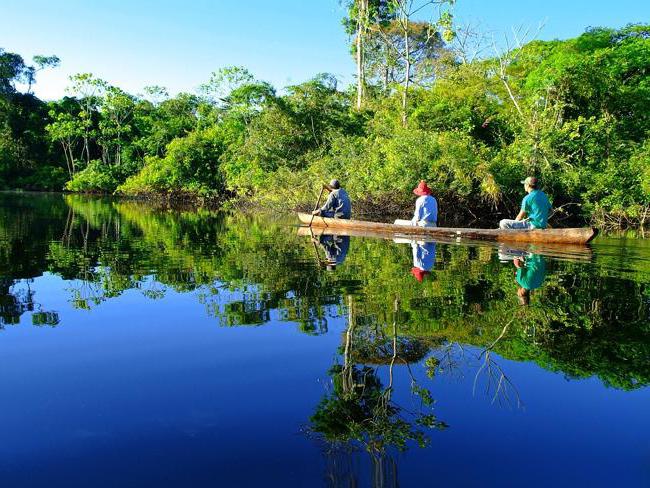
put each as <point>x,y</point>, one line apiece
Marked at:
<point>430,104</point>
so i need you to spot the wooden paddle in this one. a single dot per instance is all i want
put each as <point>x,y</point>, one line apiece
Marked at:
<point>313,241</point>
<point>317,204</point>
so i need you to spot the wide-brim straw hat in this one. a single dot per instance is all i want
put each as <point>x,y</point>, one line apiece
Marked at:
<point>422,189</point>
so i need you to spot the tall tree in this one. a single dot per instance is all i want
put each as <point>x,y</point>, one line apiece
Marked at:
<point>66,129</point>
<point>362,27</point>
<point>386,58</point>
<point>40,63</point>
<point>89,91</point>
<point>363,15</point>
<point>12,70</point>
<point>116,112</point>
<point>406,12</point>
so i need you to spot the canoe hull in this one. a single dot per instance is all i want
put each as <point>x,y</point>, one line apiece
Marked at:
<point>547,236</point>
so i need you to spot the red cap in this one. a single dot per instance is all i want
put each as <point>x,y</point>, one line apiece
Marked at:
<point>422,189</point>
<point>419,273</point>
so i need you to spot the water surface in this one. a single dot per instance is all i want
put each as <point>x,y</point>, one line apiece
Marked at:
<point>145,347</point>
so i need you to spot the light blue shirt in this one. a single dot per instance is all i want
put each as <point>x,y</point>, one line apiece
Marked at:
<point>426,211</point>
<point>337,205</point>
<point>424,255</point>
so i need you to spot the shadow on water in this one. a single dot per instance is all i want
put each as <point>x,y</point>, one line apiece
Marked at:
<point>451,310</point>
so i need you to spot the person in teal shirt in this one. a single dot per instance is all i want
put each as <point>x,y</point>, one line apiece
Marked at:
<point>534,209</point>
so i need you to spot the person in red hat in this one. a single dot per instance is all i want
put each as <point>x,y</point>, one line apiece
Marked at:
<point>426,208</point>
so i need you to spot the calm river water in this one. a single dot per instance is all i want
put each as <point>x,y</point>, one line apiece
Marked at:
<point>167,348</point>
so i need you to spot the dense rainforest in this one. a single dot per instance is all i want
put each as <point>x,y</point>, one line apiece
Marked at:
<point>429,103</point>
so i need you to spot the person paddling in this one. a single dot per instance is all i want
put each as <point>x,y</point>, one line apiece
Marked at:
<point>338,203</point>
<point>426,208</point>
<point>534,209</point>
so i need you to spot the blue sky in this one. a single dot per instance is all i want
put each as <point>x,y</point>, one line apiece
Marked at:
<point>137,43</point>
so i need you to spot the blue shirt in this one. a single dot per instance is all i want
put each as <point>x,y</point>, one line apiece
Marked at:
<point>424,255</point>
<point>338,204</point>
<point>536,206</point>
<point>426,210</point>
<point>336,247</point>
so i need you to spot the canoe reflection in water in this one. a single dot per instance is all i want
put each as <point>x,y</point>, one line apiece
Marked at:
<point>530,274</point>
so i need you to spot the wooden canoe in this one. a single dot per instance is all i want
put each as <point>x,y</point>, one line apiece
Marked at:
<point>546,236</point>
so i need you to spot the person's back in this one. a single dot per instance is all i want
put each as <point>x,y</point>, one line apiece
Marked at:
<point>534,211</point>
<point>426,207</point>
<point>426,211</point>
<point>342,205</point>
<point>338,205</point>
<point>537,206</point>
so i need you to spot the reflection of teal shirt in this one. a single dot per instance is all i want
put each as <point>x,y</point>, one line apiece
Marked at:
<point>536,206</point>
<point>533,273</point>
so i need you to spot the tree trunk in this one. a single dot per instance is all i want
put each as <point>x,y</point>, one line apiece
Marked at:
<point>86,149</point>
<point>74,167</point>
<point>118,153</point>
<point>362,15</point>
<point>67,158</point>
<point>407,72</point>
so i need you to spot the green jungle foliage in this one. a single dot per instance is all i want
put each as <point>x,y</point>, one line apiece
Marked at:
<point>575,113</point>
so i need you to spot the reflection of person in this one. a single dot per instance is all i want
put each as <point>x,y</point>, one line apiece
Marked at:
<point>507,253</point>
<point>531,272</point>
<point>338,203</point>
<point>336,249</point>
<point>424,258</point>
<point>534,209</point>
<point>426,208</point>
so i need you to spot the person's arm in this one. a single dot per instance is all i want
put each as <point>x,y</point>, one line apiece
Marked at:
<point>418,211</point>
<point>329,205</point>
<point>435,210</point>
<point>522,213</point>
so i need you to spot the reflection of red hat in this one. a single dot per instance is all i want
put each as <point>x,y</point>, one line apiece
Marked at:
<point>422,189</point>
<point>419,273</point>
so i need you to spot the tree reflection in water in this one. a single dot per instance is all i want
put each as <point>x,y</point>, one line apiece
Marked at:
<point>587,318</point>
<point>360,411</point>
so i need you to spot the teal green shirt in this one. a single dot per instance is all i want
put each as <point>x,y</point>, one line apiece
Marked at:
<point>536,206</point>
<point>533,273</point>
